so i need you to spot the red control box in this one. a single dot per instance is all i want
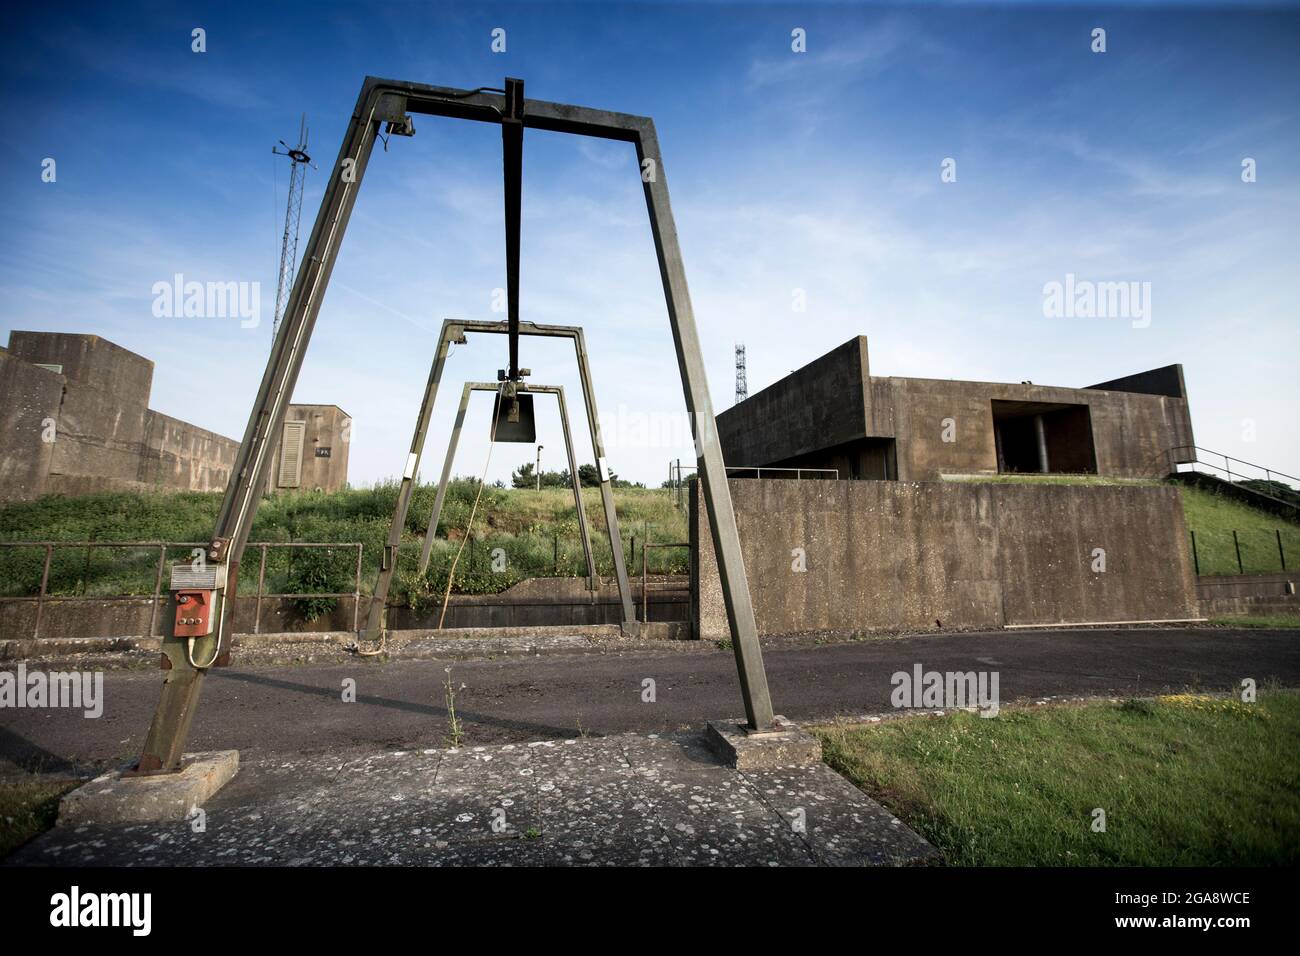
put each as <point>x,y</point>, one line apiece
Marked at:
<point>193,613</point>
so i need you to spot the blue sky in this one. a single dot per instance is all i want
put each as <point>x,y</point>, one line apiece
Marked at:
<point>817,172</point>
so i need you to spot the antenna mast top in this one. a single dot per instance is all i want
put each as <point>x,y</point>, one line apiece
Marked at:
<point>299,160</point>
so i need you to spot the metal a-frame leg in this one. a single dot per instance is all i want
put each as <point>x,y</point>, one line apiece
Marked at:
<point>593,580</point>
<point>165,741</point>
<point>427,549</point>
<point>606,486</point>
<point>712,470</point>
<point>431,532</point>
<point>388,560</point>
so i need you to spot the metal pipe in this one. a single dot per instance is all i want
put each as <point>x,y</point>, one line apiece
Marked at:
<point>261,583</point>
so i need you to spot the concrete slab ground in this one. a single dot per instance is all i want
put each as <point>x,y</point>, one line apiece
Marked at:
<point>638,800</point>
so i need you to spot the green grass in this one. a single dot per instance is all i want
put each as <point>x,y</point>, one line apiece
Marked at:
<point>1183,781</point>
<point>1276,621</point>
<point>1214,517</point>
<point>525,524</point>
<point>28,810</point>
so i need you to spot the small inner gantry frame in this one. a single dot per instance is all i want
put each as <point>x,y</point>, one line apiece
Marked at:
<point>583,532</point>
<point>453,333</point>
<point>203,639</point>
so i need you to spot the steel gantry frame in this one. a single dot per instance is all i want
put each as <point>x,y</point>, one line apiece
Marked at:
<point>495,387</point>
<point>453,333</point>
<point>391,102</point>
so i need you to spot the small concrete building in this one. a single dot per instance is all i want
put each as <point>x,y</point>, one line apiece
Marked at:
<point>313,450</point>
<point>75,419</point>
<point>833,413</point>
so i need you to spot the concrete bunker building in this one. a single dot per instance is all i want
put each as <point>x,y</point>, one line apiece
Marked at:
<point>75,419</point>
<point>917,535</point>
<point>833,413</point>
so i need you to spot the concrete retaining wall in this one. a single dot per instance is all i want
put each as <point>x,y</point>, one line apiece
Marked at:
<point>884,555</point>
<point>1238,594</point>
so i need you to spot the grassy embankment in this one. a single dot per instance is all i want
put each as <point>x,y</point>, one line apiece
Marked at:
<point>537,530</point>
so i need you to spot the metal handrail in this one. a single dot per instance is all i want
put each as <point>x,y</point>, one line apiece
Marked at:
<point>1196,459</point>
<point>43,596</point>
<point>758,470</point>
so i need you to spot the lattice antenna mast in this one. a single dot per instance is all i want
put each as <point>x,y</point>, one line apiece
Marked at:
<point>742,383</point>
<point>299,161</point>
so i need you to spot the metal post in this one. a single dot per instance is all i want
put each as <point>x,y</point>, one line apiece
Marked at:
<point>538,468</point>
<point>1196,561</point>
<point>645,573</point>
<point>40,596</point>
<point>593,580</point>
<point>157,588</point>
<point>432,530</point>
<point>261,582</point>
<point>602,472</point>
<point>712,473</point>
<point>1237,544</point>
<point>1281,555</point>
<point>356,591</point>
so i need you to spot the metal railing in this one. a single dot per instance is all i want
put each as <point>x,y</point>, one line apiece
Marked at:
<point>1267,544</point>
<point>1192,455</point>
<point>798,472</point>
<point>676,482</point>
<point>43,597</point>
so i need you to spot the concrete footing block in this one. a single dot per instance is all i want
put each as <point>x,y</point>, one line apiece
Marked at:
<point>786,745</point>
<point>118,798</point>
